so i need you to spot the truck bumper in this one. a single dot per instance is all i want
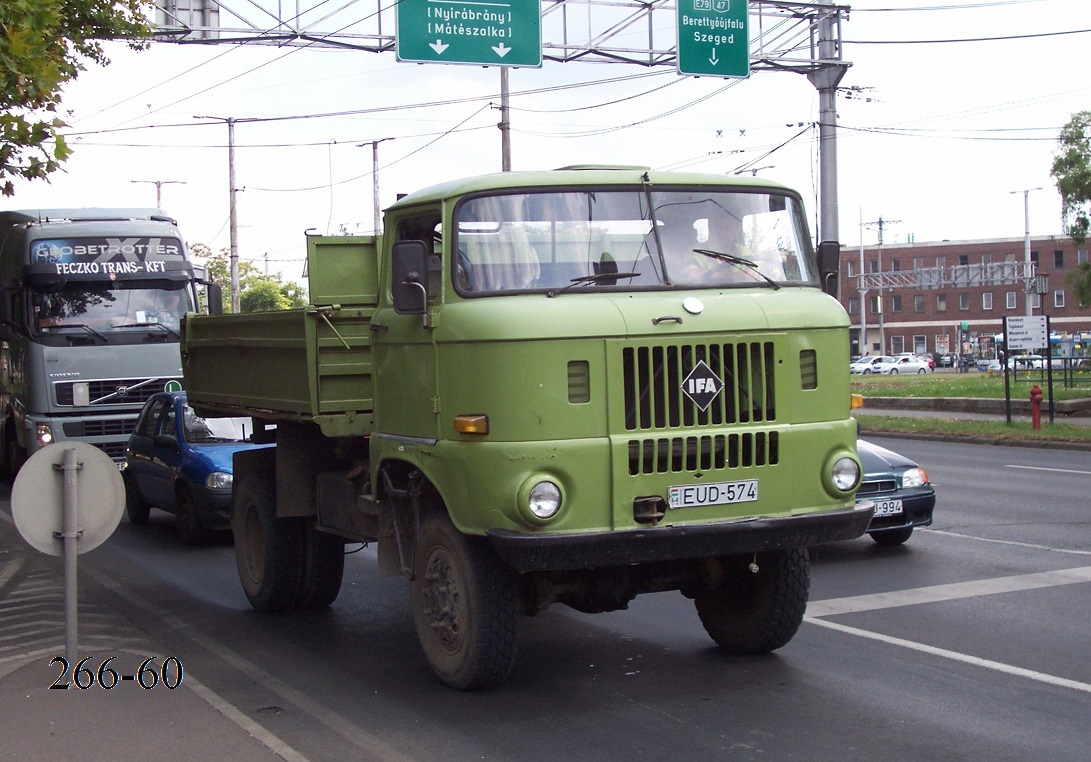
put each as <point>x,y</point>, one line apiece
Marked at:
<point>554,552</point>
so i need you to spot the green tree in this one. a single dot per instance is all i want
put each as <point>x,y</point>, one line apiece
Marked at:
<point>43,46</point>
<point>1072,171</point>
<point>257,291</point>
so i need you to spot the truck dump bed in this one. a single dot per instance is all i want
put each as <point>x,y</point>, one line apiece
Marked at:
<point>304,364</point>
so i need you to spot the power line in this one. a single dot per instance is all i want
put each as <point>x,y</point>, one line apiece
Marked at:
<point>967,39</point>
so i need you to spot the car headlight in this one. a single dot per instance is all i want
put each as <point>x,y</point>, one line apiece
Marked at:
<point>218,480</point>
<point>914,477</point>
<point>844,475</point>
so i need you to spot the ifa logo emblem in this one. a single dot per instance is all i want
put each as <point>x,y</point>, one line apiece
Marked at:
<point>702,386</point>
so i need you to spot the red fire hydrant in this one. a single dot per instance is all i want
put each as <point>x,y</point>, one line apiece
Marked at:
<point>1036,407</point>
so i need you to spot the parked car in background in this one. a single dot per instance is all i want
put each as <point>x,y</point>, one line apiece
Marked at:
<point>903,496</point>
<point>901,364</point>
<point>947,361</point>
<point>867,364</point>
<point>928,358</point>
<point>178,462</point>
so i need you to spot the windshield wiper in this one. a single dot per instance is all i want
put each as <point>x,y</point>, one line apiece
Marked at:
<point>166,328</point>
<point>737,260</point>
<point>85,327</point>
<point>593,278</point>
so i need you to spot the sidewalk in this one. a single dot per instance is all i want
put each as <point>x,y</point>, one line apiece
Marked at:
<point>125,722</point>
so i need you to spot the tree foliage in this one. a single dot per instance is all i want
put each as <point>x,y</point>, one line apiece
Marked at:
<point>43,46</point>
<point>1072,171</point>
<point>258,292</point>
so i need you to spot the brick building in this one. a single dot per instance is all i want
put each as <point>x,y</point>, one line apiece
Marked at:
<point>927,297</point>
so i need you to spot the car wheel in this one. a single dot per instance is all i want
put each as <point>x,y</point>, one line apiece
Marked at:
<point>135,506</point>
<point>755,612</point>
<point>464,606</point>
<point>892,537</point>
<point>893,371</point>
<point>867,371</point>
<point>922,370</point>
<point>186,520</point>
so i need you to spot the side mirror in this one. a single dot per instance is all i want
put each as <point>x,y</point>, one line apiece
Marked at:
<point>165,441</point>
<point>829,266</point>
<point>409,278</point>
<point>215,294</point>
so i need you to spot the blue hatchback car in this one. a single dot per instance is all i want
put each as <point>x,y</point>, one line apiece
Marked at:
<point>181,463</point>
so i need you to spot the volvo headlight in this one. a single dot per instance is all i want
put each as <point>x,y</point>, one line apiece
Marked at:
<point>218,480</point>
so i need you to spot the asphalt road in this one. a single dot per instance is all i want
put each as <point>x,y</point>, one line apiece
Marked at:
<point>971,642</point>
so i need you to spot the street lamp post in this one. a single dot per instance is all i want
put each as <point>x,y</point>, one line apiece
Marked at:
<point>1029,283</point>
<point>159,188</point>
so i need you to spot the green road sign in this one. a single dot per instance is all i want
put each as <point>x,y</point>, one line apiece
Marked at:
<point>486,33</point>
<point>713,38</point>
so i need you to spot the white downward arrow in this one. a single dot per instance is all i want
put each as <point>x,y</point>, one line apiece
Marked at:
<point>501,50</point>
<point>438,46</point>
<point>714,60</point>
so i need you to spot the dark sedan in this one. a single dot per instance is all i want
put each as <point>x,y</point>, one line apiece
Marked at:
<point>181,463</point>
<point>903,496</point>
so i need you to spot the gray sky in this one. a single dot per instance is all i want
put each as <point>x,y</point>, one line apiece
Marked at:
<point>937,142</point>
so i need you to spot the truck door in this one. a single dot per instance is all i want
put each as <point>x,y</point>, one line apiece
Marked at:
<point>406,396</point>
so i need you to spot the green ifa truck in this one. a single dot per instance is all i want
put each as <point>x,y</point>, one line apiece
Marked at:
<point>569,386</point>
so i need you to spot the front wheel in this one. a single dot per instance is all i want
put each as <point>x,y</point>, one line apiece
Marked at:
<point>186,521</point>
<point>136,507</point>
<point>893,371</point>
<point>892,537</point>
<point>755,612</point>
<point>268,550</point>
<point>464,606</point>
<point>922,370</point>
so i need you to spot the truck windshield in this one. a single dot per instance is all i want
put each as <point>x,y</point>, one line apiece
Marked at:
<point>612,239</point>
<point>106,310</point>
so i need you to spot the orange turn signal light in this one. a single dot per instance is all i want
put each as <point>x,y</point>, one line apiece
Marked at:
<point>472,424</point>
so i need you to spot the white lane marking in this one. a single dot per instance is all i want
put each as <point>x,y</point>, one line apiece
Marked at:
<point>996,666</point>
<point>954,591</point>
<point>1016,543</point>
<point>1042,468</point>
<point>372,746</point>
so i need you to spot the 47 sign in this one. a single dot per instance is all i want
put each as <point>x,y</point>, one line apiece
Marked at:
<point>485,33</point>
<point>713,38</point>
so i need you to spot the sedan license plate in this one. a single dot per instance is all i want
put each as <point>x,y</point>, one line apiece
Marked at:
<point>887,508</point>
<point>720,493</point>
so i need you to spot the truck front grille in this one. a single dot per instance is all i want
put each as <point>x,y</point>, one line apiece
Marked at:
<point>114,391</point>
<point>108,428</point>
<point>654,375</point>
<point>703,453</point>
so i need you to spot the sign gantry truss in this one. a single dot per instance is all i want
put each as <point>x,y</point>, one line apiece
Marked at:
<point>784,36</point>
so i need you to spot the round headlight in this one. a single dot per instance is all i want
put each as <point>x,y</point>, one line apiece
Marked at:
<point>845,474</point>
<point>544,500</point>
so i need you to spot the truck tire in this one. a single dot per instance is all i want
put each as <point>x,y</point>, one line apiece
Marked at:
<point>268,550</point>
<point>15,456</point>
<point>464,606</point>
<point>323,568</point>
<point>757,612</point>
<point>135,506</point>
<point>892,537</point>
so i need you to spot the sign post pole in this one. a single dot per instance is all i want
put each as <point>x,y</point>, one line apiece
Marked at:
<point>71,536</point>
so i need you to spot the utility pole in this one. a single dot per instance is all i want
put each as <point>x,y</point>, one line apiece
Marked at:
<point>505,122</point>
<point>233,223</point>
<point>881,225</point>
<point>376,207</point>
<point>159,188</point>
<point>1026,247</point>
<point>825,80</point>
